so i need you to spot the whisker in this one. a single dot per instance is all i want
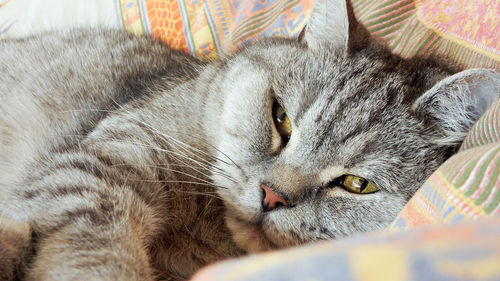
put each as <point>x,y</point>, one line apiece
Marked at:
<point>213,195</point>
<point>164,136</point>
<point>199,171</point>
<point>186,174</point>
<point>182,143</point>
<point>186,182</point>
<point>184,150</point>
<point>206,165</point>
<point>214,169</point>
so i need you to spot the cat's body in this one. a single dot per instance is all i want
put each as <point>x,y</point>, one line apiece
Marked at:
<point>129,161</point>
<point>92,129</point>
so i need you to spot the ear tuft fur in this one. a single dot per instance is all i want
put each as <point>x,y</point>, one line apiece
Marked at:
<point>458,101</point>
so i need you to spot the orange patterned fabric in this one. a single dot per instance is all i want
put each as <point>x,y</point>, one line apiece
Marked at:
<point>166,22</point>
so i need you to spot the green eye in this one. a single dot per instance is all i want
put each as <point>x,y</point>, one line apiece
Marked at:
<point>356,184</point>
<point>281,121</point>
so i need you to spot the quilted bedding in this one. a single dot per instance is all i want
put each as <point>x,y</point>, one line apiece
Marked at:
<point>436,238</point>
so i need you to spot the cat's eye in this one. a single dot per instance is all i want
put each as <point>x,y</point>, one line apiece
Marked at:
<point>282,122</point>
<point>355,184</point>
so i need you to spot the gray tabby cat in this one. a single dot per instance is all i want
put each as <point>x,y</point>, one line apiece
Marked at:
<point>121,159</point>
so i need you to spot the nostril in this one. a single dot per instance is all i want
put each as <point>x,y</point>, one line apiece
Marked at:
<point>271,200</point>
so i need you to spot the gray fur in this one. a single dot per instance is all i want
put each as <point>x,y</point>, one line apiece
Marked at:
<point>125,160</point>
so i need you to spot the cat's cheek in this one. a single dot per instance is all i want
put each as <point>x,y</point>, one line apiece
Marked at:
<point>371,212</point>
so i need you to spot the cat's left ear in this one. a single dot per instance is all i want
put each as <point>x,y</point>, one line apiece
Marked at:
<point>332,22</point>
<point>457,101</point>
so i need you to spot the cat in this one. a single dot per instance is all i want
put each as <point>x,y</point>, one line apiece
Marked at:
<point>122,159</point>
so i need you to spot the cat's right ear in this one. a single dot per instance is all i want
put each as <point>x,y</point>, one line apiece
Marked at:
<point>332,22</point>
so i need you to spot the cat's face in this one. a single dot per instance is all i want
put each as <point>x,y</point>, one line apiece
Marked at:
<point>347,118</point>
<point>361,114</point>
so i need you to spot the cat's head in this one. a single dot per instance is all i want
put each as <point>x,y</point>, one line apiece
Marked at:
<point>331,134</point>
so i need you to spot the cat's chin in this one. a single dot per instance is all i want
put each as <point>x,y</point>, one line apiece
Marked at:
<point>254,237</point>
<point>249,236</point>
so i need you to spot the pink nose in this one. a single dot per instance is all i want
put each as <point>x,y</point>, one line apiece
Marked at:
<point>271,199</point>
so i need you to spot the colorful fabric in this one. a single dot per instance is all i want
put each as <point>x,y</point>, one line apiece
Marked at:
<point>485,131</point>
<point>452,19</point>
<point>467,186</point>
<point>454,252</point>
<point>410,27</point>
<point>440,27</point>
<point>214,27</point>
<point>464,31</point>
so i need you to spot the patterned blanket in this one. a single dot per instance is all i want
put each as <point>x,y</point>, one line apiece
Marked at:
<point>469,251</point>
<point>449,246</point>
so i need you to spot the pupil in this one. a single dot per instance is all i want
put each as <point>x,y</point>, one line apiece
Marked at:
<point>363,185</point>
<point>281,118</point>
